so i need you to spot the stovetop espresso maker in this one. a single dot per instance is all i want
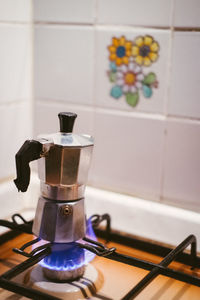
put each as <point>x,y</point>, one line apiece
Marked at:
<point>63,164</point>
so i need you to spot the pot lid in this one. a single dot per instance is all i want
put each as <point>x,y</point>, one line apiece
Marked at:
<point>69,139</point>
<point>65,137</point>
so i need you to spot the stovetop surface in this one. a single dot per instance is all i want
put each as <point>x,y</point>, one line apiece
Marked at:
<point>118,278</point>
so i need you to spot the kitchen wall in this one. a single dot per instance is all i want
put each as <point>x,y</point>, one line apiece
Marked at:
<point>15,93</point>
<point>146,138</point>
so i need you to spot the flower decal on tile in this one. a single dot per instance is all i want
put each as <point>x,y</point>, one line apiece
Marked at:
<point>120,50</point>
<point>145,50</point>
<point>128,62</point>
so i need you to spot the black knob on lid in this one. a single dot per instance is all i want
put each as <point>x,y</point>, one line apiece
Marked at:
<point>66,121</point>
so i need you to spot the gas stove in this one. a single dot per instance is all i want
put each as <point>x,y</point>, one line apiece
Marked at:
<point>28,278</point>
<point>60,263</point>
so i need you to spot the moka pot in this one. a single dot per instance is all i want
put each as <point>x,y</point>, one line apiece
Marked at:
<point>63,164</point>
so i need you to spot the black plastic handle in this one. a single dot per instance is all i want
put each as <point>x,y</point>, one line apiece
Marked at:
<point>66,121</point>
<point>30,150</point>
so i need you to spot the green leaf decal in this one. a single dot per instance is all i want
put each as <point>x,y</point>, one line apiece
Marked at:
<point>112,76</point>
<point>132,98</point>
<point>149,79</point>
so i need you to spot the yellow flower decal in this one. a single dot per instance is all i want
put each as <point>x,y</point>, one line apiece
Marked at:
<point>120,50</point>
<point>145,50</point>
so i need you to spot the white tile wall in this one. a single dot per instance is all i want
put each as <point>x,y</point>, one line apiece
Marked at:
<point>71,64</point>
<point>133,12</point>
<point>185,75</point>
<point>15,63</point>
<point>128,153</point>
<point>103,87</point>
<point>18,11</point>
<point>15,129</point>
<point>46,117</point>
<point>66,11</point>
<point>15,82</point>
<point>182,163</point>
<point>186,13</point>
<point>64,58</point>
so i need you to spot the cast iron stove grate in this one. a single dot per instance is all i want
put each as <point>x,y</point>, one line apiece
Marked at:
<point>177,254</point>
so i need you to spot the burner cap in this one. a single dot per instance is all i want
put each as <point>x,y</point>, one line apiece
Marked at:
<point>85,287</point>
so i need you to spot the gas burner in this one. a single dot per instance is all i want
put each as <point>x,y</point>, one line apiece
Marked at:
<point>34,285</point>
<point>67,261</point>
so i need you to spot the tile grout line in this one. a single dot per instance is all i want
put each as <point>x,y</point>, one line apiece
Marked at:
<point>13,102</point>
<point>32,100</point>
<point>107,25</point>
<point>95,80</point>
<point>124,112</point>
<point>166,102</point>
<point>103,110</point>
<point>57,23</point>
<point>15,23</point>
<point>95,11</point>
<point>32,68</point>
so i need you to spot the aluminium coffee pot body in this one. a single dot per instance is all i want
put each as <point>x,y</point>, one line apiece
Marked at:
<point>63,164</point>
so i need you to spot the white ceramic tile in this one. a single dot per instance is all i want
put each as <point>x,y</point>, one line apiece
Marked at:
<point>46,118</point>
<point>128,154</point>
<point>15,124</point>
<point>67,11</point>
<point>156,102</point>
<point>12,10</point>
<point>15,62</point>
<point>134,12</point>
<point>186,13</point>
<point>185,84</point>
<point>182,163</point>
<point>64,63</point>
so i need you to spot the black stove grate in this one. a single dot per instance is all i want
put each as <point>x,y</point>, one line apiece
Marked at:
<point>177,254</point>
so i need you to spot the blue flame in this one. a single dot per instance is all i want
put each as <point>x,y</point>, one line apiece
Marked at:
<point>64,257</point>
<point>90,231</point>
<point>69,256</point>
